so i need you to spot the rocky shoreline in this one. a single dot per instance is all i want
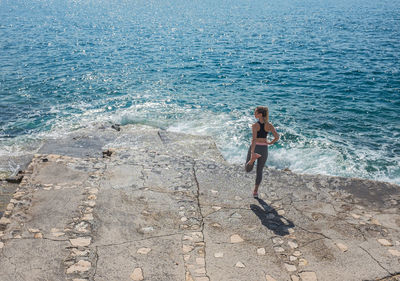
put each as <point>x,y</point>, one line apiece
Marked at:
<point>139,203</point>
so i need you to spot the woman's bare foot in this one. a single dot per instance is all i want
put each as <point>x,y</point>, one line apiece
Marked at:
<point>253,158</point>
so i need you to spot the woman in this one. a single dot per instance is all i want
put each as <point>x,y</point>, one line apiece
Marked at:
<point>259,144</point>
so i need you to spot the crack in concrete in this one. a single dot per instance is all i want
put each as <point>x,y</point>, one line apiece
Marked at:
<point>375,260</point>
<point>32,238</point>
<point>202,217</point>
<point>95,266</point>
<point>143,239</point>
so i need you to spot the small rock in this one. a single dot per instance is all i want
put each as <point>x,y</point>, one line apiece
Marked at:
<point>137,274</point>
<point>291,230</point>
<point>147,229</point>
<point>240,265</point>
<point>279,249</point>
<point>185,238</point>
<point>236,239</point>
<point>293,245</point>
<point>76,252</point>
<point>394,252</point>
<point>79,279</point>
<point>277,240</point>
<point>80,266</point>
<point>200,270</point>
<point>183,219</point>
<point>81,241</point>
<point>214,191</point>
<point>197,236</point>
<point>186,257</point>
<point>292,258</point>
<point>5,221</point>
<point>218,255</point>
<point>38,235</point>
<point>238,198</point>
<point>342,247</point>
<point>375,221</point>
<point>294,278</point>
<point>216,208</point>
<point>92,197</point>
<point>236,216</point>
<point>93,190</point>
<point>33,230</point>
<point>187,248</point>
<point>290,267</point>
<point>281,212</point>
<point>261,251</point>
<point>303,262</point>
<point>143,251</point>
<point>10,206</point>
<point>269,278</point>
<point>216,225</point>
<point>87,217</point>
<point>308,276</point>
<point>355,216</point>
<point>385,242</point>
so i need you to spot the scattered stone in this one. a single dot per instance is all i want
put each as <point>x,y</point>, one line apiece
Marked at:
<point>303,262</point>
<point>186,257</point>
<point>33,230</point>
<point>200,270</point>
<point>291,230</point>
<point>293,245</point>
<point>261,251</point>
<point>76,252</point>
<point>281,212</point>
<point>342,247</point>
<point>292,258</point>
<point>294,278</point>
<point>216,208</point>
<point>92,197</point>
<point>147,229</point>
<point>87,217</point>
<point>394,252</point>
<point>218,255</point>
<point>187,248</point>
<point>183,219</point>
<point>236,239</point>
<point>197,236</point>
<point>82,227</point>
<point>240,265</point>
<point>38,235</point>
<point>93,190</point>
<point>375,221</point>
<point>290,267</point>
<point>144,251</point>
<point>277,240</point>
<point>81,241</point>
<point>80,266</point>
<point>279,249</point>
<point>137,274</point>
<point>355,216</point>
<point>269,278</point>
<point>202,279</point>
<point>185,237</point>
<point>214,191</point>
<point>216,225</point>
<point>10,206</point>
<point>4,221</point>
<point>238,198</point>
<point>385,242</point>
<point>308,276</point>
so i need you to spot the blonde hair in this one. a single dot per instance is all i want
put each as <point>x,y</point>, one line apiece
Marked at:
<point>264,111</point>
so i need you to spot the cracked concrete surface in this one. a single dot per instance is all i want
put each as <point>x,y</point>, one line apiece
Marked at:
<point>170,205</point>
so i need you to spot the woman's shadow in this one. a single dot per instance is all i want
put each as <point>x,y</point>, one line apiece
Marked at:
<point>270,218</point>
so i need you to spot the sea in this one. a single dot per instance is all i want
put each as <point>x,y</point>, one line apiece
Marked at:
<point>329,71</point>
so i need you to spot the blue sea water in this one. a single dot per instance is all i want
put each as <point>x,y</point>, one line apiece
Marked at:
<point>328,71</point>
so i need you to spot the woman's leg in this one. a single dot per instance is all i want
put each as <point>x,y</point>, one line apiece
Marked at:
<point>263,151</point>
<point>249,167</point>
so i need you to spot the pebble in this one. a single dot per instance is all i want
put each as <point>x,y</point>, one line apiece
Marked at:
<point>236,239</point>
<point>38,235</point>
<point>303,262</point>
<point>236,216</point>
<point>137,274</point>
<point>290,267</point>
<point>238,198</point>
<point>147,229</point>
<point>269,278</point>
<point>342,247</point>
<point>183,219</point>
<point>294,278</point>
<point>385,242</point>
<point>355,216</point>
<point>200,270</point>
<point>375,221</point>
<point>76,252</point>
<point>261,251</point>
<point>92,197</point>
<point>308,276</point>
<point>218,255</point>
<point>144,251</point>
<point>292,258</point>
<point>33,230</point>
<point>87,217</point>
<point>186,257</point>
<point>214,191</point>
<point>216,225</point>
<point>201,261</point>
<point>81,241</point>
<point>187,248</point>
<point>80,266</point>
<point>394,252</point>
<point>4,221</point>
<point>277,240</point>
<point>240,265</point>
<point>293,245</point>
<point>279,249</point>
<point>216,208</point>
<point>281,212</point>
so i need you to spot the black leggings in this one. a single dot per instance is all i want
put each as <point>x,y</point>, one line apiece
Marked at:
<point>263,151</point>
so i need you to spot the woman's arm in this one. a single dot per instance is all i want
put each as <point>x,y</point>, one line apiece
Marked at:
<point>271,129</point>
<point>254,129</point>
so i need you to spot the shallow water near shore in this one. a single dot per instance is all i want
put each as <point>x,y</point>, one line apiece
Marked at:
<point>328,70</point>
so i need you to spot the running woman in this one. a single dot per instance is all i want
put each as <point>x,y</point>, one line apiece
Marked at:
<point>259,144</point>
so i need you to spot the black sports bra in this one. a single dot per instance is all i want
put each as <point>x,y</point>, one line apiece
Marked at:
<point>262,133</point>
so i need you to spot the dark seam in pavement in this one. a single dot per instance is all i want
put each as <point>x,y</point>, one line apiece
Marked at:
<point>97,259</point>
<point>202,217</point>
<point>318,233</point>
<point>375,260</point>
<point>32,238</point>
<point>396,274</point>
<point>143,239</point>
<point>312,241</point>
